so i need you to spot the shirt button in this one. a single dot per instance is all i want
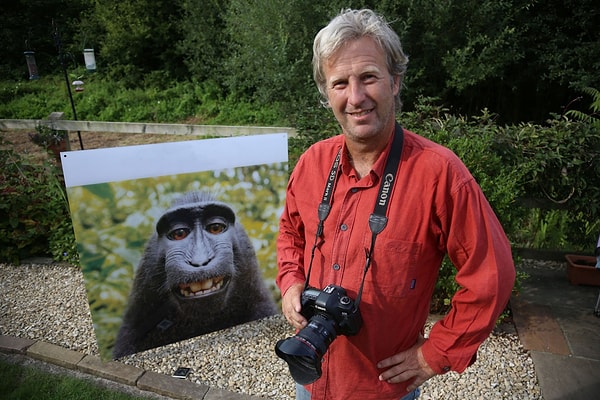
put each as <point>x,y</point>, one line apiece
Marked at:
<point>446,369</point>
<point>344,227</point>
<point>354,190</point>
<point>336,267</point>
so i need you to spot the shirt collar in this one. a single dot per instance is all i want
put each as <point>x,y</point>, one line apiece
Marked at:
<point>377,170</point>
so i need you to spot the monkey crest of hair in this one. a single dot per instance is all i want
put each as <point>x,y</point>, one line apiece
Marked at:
<point>198,274</point>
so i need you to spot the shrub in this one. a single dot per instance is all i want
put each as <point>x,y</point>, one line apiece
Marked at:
<point>34,217</point>
<point>560,164</point>
<point>45,136</point>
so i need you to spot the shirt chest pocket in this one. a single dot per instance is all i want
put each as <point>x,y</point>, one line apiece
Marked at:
<point>393,270</point>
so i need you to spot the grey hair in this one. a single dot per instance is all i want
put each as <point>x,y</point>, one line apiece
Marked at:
<point>351,25</point>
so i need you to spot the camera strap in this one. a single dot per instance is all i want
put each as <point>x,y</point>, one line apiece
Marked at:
<point>378,219</point>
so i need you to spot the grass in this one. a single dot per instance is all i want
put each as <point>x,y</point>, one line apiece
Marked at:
<point>107,100</point>
<point>26,382</point>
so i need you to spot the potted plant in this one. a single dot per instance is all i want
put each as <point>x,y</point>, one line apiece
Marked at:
<point>581,270</point>
<point>50,139</point>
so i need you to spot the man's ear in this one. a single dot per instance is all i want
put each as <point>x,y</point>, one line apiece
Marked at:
<point>396,82</point>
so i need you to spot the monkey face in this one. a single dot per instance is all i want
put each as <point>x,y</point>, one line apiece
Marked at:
<point>198,246</point>
<point>199,274</point>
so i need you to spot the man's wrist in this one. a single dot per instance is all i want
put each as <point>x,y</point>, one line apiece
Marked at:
<point>439,363</point>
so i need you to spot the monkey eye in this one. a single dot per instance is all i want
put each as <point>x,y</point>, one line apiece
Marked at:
<point>216,225</point>
<point>178,234</point>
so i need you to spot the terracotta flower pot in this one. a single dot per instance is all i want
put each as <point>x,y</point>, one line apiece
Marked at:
<point>581,270</point>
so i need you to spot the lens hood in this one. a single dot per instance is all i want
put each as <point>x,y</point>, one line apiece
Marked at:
<point>302,358</point>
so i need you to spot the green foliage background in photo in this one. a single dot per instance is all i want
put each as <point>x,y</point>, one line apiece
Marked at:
<point>113,221</point>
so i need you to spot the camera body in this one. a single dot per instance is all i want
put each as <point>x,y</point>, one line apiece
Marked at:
<point>333,304</point>
<point>330,312</point>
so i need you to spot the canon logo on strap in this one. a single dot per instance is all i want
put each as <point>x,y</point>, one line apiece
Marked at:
<point>385,189</point>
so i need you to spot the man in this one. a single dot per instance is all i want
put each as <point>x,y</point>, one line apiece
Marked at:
<point>435,208</point>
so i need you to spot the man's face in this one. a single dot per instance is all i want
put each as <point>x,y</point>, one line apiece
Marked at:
<point>360,89</point>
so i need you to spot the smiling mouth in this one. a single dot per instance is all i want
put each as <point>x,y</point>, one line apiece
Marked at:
<point>202,288</point>
<point>360,113</point>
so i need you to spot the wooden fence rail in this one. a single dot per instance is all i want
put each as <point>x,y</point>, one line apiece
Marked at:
<point>142,127</point>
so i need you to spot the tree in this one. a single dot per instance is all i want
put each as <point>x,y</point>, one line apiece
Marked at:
<point>204,40</point>
<point>271,48</point>
<point>27,25</point>
<point>520,58</point>
<point>140,37</point>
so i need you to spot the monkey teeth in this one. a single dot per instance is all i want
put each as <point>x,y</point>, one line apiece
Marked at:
<point>201,288</point>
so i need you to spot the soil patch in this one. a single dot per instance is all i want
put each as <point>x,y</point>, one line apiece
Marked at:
<point>19,141</point>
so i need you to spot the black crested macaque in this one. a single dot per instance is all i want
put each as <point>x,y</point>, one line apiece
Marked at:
<point>198,274</point>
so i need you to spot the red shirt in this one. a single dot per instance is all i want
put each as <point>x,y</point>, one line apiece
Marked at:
<point>436,208</point>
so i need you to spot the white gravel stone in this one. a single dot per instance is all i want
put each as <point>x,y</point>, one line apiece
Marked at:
<point>49,303</point>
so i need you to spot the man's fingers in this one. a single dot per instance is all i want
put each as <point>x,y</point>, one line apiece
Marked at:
<point>393,360</point>
<point>395,374</point>
<point>291,306</point>
<point>293,317</point>
<point>409,365</point>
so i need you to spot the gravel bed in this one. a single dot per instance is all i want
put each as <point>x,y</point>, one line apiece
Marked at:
<point>48,302</point>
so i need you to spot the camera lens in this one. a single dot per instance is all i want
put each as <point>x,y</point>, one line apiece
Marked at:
<point>303,352</point>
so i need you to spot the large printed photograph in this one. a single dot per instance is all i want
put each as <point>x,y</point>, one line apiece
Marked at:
<point>170,256</point>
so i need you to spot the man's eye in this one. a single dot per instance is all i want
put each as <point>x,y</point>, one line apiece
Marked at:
<point>216,227</point>
<point>178,234</point>
<point>339,85</point>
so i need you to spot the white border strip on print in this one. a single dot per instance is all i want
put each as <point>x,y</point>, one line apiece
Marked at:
<point>87,167</point>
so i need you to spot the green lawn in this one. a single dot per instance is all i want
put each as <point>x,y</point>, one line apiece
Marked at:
<point>27,382</point>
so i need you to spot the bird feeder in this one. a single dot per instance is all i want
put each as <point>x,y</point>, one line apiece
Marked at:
<point>90,59</point>
<point>78,86</point>
<point>31,65</point>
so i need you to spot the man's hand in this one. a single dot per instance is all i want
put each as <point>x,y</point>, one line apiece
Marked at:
<point>291,306</point>
<point>409,364</point>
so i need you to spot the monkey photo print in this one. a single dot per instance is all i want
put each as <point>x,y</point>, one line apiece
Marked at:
<point>176,239</point>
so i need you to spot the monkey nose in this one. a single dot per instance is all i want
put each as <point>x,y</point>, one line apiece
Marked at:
<point>198,263</point>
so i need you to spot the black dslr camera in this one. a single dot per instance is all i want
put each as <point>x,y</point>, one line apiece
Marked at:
<point>330,312</point>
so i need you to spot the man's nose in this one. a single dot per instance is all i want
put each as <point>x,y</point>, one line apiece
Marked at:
<point>356,93</point>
